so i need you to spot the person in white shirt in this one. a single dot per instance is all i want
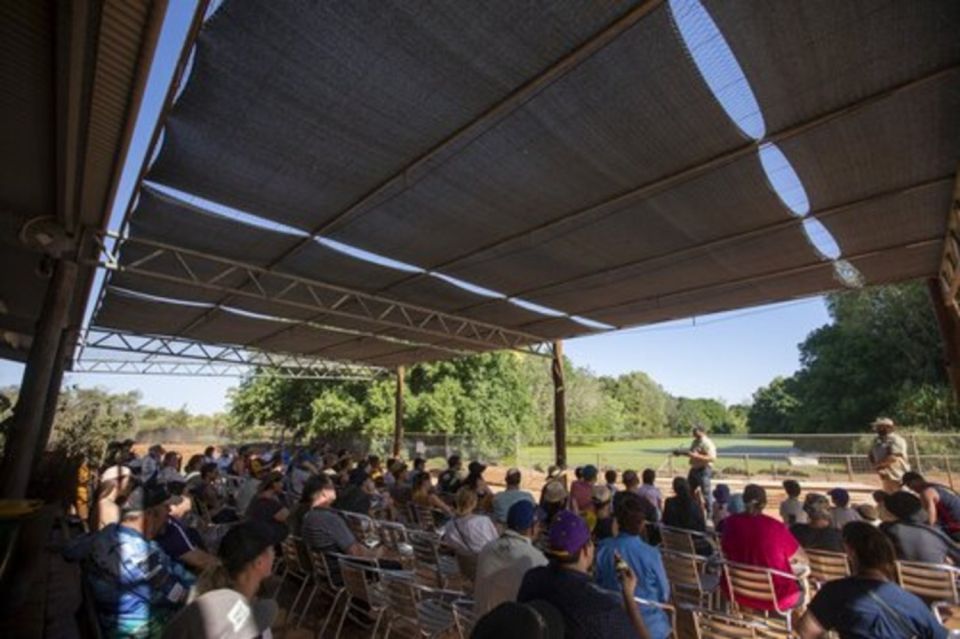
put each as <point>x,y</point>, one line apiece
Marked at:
<point>170,470</point>
<point>503,562</point>
<point>791,508</point>
<point>843,513</point>
<point>468,532</point>
<point>503,501</point>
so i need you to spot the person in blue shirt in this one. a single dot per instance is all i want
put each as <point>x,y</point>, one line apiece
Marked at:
<point>644,560</point>
<point>136,587</point>
<point>868,605</point>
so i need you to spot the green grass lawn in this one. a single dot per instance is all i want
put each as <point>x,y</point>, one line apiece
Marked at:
<point>649,453</point>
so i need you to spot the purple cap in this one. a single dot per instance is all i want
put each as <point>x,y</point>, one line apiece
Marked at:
<point>568,534</point>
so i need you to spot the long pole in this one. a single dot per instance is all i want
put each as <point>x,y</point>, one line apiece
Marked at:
<point>398,415</point>
<point>947,321</point>
<point>559,406</point>
<point>25,432</point>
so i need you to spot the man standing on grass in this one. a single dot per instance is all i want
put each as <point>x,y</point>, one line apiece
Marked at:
<point>702,454</point>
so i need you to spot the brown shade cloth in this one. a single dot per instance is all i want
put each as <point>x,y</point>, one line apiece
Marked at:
<point>295,109</point>
<point>806,58</point>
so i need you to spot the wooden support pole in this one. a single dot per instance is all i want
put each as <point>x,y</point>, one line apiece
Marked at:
<point>559,406</point>
<point>67,340</point>
<point>398,415</point>
<point>949,324</point>
<point>25,432</point>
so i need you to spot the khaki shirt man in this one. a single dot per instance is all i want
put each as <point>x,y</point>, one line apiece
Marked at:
<point>703,452</point>
<point>888,454</point>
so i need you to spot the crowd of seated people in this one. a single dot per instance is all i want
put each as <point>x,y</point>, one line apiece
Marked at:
<point>164,535</point>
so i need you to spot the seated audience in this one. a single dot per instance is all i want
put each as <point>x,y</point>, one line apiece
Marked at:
<point>249,488</point>
<point>476,482</point>
<point>644,560</point>
<point>268,507</point>
<point>504,561</point>
<point>869,514</point>
<point>721,503</point>
<point>600,520</point>
<point>170,469</point>
<point>819,533</point>
<point>941,504</point>
<point>303,506</point>
<point>792,509</point>
<point>228,605</point>
<point>649,491</point>
<point>468,532</point>
<point>355,496</point>
<point>682,510</point>
<point>116,482</point>
<point>181,542</point>
<point>553,499</point>
<point>843,513</point>
<point>510,620</point>
<point>581,490</point>
<point>913,538</point>
<point>611,478</point>
<point>449,480</point>
<point>869,604</point>
<point>758,540</point>
<point>207,496</point>
<point>136,586</point>
<point>589,611</point>
<point>507,498</point>
<point>423,496</point>
<point>323,529</point>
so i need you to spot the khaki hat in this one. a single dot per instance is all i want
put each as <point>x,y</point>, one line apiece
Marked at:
<point>883,421</point>
<point>554,492</point>
<point>601,494</point>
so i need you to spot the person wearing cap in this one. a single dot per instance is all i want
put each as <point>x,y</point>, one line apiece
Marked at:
<point>644,560</point>
<point>553,499</point>
<point>791,508</point>
<point>888,454</point>
<point>503,562</point>
<point>843,513</point>
<point>268,507</point>
<point>913,538</point>
<point>503,501</point>
<point>755,539</point>
<point>600,518</point>
<point>136,586</point>
<point>227,607</point>
<point>941,503</point>
<point>449,480</point>
<point>468,532</point>
<point>702,454</point>
<point>817,532</point>
<point>511,620</point>
<point>588,610</point>
<point>581,490</point>
<point>115,483</point>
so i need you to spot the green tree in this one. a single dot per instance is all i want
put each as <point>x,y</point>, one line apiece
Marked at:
<point>646,406</point>
<point>773,408</point>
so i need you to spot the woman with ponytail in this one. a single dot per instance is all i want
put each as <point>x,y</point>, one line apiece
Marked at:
<point>869,604</point>
<point>756,539</point>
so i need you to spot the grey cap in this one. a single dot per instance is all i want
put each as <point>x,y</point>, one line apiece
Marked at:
<point>223,614</point>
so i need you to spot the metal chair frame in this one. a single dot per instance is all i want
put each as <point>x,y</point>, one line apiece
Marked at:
<point>685,573</point>
<point>294,569</point>
<point>426,612</point>
<point>426,549</point>
<point>361,581</point>
<point>323,584</point>
<point>934,583</point>
<point>827,566</point>
<point>756,582</point>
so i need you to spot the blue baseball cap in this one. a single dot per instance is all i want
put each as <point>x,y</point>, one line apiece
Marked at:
<point>523,515</point>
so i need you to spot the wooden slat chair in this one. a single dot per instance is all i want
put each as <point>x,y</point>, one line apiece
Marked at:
<point>827,566</point>
<point>418,610</point>
<point>362,528</point>
<point>690,583</point>
<point>670,611</point>
<point>687,541</point>
<point>934,583</point>
<point>294,570</point>
<point>463,617</point>
<point>325,585</point>
<point>435,568</point>
<point>713,625</point>
<point>756,583</point>
<point>364,598</point>
<point>424,517</point>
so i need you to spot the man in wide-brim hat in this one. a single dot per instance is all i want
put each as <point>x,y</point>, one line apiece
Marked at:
<point>888,454</point>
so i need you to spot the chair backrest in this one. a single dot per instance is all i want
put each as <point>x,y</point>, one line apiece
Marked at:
<point>710,625</point>
<point>354,575</point>
<point>424,517</point>
<point>678,540</point>
<point>931,582</point>
<point>321,570</point>
<point>360,525</point>
<point>291,555</point>
<point>463,615</point>
<point>750,582</point>
<point>826,566</point>
<point>392,534</point>
<point>683,569</point>
<point>401,596</point>
<point>425,547</point>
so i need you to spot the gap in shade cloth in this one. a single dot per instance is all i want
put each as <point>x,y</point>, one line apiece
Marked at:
<point>718,66</point>
<point>783,179</point>
<point>187,71</point>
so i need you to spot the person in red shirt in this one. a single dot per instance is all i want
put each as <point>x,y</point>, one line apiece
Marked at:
<point>758,540</point>
<point>581,491</point>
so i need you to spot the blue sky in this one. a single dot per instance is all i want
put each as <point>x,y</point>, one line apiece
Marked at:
<point>725,356</point>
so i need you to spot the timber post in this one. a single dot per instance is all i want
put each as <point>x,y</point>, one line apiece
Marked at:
<point>398,414</point>
<point>559,406</point>
<point>949,324</point>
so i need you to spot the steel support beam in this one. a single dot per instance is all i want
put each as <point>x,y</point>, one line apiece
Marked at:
<point>398,414</point>
<point>25,431</point>
<point>559,406</point>
<point>188,368</point>
<point>208,272</point>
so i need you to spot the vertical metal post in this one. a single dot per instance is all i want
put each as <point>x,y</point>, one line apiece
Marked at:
<point>850,467</point>
<point>949,324</point>
<point>398,415</point>
<point>25,431</point>
<point>946,463</point>
<point>559,406</point>
<point>746,465</point>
